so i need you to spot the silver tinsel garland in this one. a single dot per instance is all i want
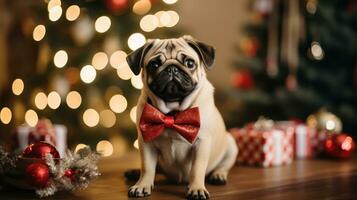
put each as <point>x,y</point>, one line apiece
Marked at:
<point>7,161</point>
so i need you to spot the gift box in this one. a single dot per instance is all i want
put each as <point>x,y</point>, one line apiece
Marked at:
<point>264,147</point>
<point>44,131</point>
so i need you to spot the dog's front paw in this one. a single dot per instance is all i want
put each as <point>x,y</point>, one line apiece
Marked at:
<point>140,190</point>
<point>197,193</point>
<point>218,178</point>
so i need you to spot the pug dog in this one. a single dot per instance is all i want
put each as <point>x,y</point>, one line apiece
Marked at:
<point>179,127</point>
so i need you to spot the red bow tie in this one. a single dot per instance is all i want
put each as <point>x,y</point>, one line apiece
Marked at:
<point>153,123</point>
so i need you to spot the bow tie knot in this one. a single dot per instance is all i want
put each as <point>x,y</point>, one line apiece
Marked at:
<point>153,123</point>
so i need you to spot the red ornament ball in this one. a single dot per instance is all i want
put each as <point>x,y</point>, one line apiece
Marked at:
<point>117,6</point>
<point>40,150</point>
<point>340,146</point>
<point>243,80</point>
<point>69,173</point>
<point>37,175</point>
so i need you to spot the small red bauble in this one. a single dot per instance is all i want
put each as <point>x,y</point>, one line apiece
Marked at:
<point>37,174</point>
<point>117,6</point>
<point>40,150</point>
<point>339,146</point>
<point>69,173</point>
<point>243,80</point>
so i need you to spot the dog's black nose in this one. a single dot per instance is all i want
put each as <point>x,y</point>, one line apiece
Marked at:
<point>172,69</point>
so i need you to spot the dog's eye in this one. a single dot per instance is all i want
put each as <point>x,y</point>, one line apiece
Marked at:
<point>154,64</point>
<point>190,63</point>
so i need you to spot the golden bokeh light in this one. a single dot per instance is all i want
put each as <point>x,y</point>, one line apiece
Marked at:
<point>133,114</point>
<point>5,115</point>
<point>136,40</point>
<point>316,51</point>
<point>169,1</point>
<point>117,59</point>
<point>149,23</point>
<point>31,118</point>
<point>118,103</point>
<point>88,74</point>
<point>141,7</point>
<point>164,18</point>
<point>73,12</point>
<point>39,32</point>
<point>136,144</point>
<point>90,117</point>
<point>73,99</point>
<point>107,118</point>
<point>137,82</point>
<point>102,24</point>
<point>100,60</point>
<point>105,148</point>
<point>79,147</point>
<point>124,72</point>
<point>53,3</point>
<point>55,13</point>
<point>60,59</point>
<point>18,86</point>
<point>41,100</point>
<point>174,18</point>
<point>54,100</point>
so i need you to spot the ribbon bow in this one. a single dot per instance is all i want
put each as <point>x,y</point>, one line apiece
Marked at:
<point>153,123</point>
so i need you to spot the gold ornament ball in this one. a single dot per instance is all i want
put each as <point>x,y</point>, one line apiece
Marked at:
<point>324,120</point>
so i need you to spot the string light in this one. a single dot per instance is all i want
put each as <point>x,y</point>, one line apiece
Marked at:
<point>31,118</point>
<point>169,1</point>
<point>100,60</point>
<point>149,23</point>
<point>118,103</point>
<point>39,32</point>
<point>136,144</point>
<point>53,3</point>
<point>107,118</point>
<point>117,59</point>
<point>60,59</point>
<point>311,6</point>
<point>136,40</point>
<point>79,147</point>
<point>73,99</point>
<point>41,100</point>
<point>133,114</point>
<point>164,18</point>
<point>55,13</point>
<point>90,117</point>
<point>73,12</point>
<point>124,72</point>
<point>141,7</point>
<point>5,115</point>
<point>102,24</point>
<point>174,18</point>
<point>316,51</point>
<point>88,74</point>
<point>137,82</point>
<point>54,100</point>
<point>17,86</point>
<point>105,148</point>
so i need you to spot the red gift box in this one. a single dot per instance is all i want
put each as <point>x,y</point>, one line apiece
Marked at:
<point>264,147</point>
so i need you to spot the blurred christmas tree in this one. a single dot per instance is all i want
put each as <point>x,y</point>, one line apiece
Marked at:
<point>66,62</point>
<point>297,57</point>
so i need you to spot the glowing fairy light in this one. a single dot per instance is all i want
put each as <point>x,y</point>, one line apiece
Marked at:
<point>149,23</point>
<point>41,100</point>
<point>174,18</point>
<point>79,147</point>
<point>105,148</point>
<point>107,118</point>
<point>141,7</point>
<point>118,103</point>
<point>5,115</point>
<point>60,59</point>
<point>53,3</point>
<point>169,1</point>
<point>117,59</point>
<point>136,144</point>
<point>136,40</point>
<point>55,13</point>
<point>90,117</point>
<point>137,82</point>
<point>73,12</point>
<point>316,51</point>
<point>100,60</point>
<point>124,72</point>
<point>31,118</point>
<point>39,32</point>
<point>88,74</point>
<point>102,24</point>
<point>133,114</point>
<point>73,99</point>
<point>18,86</point>
<point>54,100</point>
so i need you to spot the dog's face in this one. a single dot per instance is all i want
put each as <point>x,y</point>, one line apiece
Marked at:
<point>172,68</point>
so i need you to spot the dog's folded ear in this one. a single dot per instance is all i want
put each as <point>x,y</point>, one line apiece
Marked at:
<point>205,51</point>
<point>136,57</point>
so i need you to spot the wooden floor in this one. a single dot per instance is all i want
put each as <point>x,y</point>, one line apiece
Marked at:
<point>304,179</point>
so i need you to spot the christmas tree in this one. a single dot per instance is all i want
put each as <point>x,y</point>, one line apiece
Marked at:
<point>66,62</point>
<point>296,58</point>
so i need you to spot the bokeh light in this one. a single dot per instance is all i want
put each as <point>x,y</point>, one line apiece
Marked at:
<point>5,115</point>
<point>100,60</point>
<point>136,40</point>
<point>174,18</point>
<point>73,99</point>
<point>169,1</point>
<point>316,51</point>
<point>53,3</point>
<point>105,148</point>
<point>41,100</point>
<point>31,118</point>
<point>60,59</point>
<point>124,72</point>
<point>88,74</point>
<point>39,32</point>
<point>107,118</point>
<point>133,114</point>
<point>137,82</point>
<point>55,13</point>
<point>117,59</point>
<point>141,7</point>
<point>18,86</point>
<point>79,147</point>
<point>136,144</point>
<point>149,23</point>
<point>118,103</point>
<point>102,24</point>
<point>90,117</point>
<point>54,100</point>
<point>73,12</point>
